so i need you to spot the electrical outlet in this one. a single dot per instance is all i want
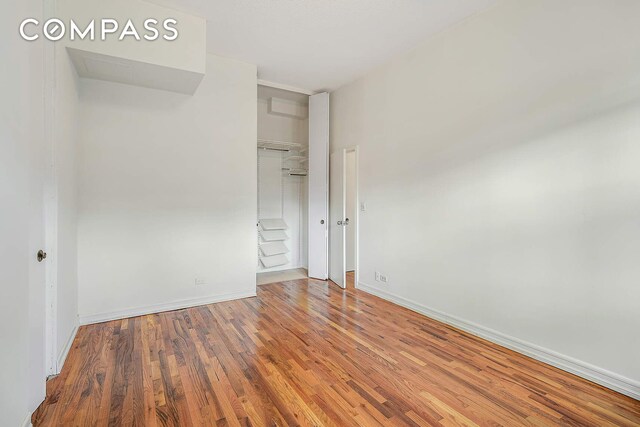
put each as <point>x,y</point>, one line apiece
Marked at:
<point>377,276</point>
<point>383,278</point>
<point>200,281</point>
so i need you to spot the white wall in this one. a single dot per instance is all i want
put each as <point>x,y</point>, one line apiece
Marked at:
<point>22,385</point>
<point>499,166</point>
<point>64,254</point>
<point>351,210</point>
<point>167,193</point>
<point>175,65</point>
<point>278,127</point>
<point>187,52</point>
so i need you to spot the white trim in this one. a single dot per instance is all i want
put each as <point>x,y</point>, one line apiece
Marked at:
<point>51,202</point>
<point>339,276</point>
<point>356,150</point>
<point>285,87</point>
<point>582,369</point>
<point>158,308</point>
<point>27,421</point>
<point>65,351</point>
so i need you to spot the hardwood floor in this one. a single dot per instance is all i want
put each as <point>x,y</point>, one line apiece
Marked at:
<point>308,353</point>
<point>281,276</point>
<point>351,280</point>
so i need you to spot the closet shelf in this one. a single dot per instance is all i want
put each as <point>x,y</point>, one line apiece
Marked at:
<point>268,144</point>
<point>273,224</point>
<point>296,159</point>
<point>274,248</point>
<point>273,235</point>
<point>274,261</point>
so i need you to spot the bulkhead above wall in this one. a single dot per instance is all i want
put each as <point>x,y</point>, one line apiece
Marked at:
<point>284,103</point>
<point>134,42</point>
<point>288,108</point>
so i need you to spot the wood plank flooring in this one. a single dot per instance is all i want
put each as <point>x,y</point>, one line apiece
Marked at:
<point>351,280</point>
<point>281,276</point>
<point>308,353</point>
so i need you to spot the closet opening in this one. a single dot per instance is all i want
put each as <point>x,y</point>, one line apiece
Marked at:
<point>283,207</point>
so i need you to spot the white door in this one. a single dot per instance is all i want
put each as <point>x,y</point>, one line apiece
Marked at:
<point>337,218</point>
<point>36,169</point>
<point>318,185</point>
<point>22,277</point>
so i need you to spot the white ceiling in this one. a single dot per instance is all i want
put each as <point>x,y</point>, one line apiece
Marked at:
<point>321,44</point>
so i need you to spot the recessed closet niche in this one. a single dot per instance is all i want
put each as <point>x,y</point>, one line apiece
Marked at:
<point>283,141</point>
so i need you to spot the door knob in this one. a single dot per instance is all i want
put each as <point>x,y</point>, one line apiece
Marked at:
<point>42,255</point>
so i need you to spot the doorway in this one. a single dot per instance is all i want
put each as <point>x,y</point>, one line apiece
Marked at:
<point>351,203</point>
<point>344,218</point>
<point>293,178</point>
<point>282,169</point>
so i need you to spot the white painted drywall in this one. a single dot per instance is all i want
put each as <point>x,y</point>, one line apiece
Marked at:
<point>64,254</point>
<point>167,193</point>
<point>499,167</point>
<point>187,52</point>
<point>175,65</point>
<point>22,378</point>
<point>350,209</point>
<point>278,127</point>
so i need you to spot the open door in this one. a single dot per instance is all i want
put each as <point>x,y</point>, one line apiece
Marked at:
<point>337,218</point>
<point>318,185</point>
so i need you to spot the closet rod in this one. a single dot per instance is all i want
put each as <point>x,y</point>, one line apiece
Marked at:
<point>274,149</point>
<point>275,141</point>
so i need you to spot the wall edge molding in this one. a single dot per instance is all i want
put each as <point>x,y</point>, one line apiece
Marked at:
<point>603,377</point>
<point>62,357</point>
<point>159,308</point>
<point>27,421</point>
<point>283,86</point>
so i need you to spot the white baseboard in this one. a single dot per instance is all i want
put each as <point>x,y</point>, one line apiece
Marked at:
<point>158,308</point>
<point>582,369</point>
<point>65,351</point>
<point>27,421</point>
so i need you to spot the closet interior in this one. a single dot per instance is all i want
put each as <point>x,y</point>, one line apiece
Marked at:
<point>283,149</point>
